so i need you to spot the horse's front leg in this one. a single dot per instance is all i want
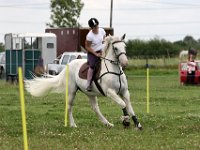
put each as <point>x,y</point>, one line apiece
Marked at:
<point>113,95</point>
<point>94,102</point>
<point>126,98</point>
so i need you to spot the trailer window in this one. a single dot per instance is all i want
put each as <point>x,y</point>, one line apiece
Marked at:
<point>30,43</point>
<point>50,45</point>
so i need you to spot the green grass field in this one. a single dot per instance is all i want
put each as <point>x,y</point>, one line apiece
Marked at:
<point>173,121</point>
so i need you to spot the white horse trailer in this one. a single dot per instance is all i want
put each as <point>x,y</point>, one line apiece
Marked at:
<point>26,50</point>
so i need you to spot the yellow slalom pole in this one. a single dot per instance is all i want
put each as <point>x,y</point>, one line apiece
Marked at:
<point>21,90</point>
<point>66,94</point>
<point>147,88</point>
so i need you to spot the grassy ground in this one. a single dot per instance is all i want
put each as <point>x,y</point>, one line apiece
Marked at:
<point>165,62</point>
<point>173,121</point>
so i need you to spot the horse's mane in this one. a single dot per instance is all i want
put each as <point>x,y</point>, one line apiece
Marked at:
<point>108,40</point>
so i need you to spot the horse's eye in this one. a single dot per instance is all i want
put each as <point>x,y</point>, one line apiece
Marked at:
<point>115,49</point>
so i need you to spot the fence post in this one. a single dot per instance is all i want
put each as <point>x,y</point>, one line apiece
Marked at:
<point>147,66</point>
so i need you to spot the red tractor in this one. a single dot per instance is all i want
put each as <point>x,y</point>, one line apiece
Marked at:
<point>183,73</point>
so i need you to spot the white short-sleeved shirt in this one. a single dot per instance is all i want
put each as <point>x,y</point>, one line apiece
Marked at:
<point>96,39</point>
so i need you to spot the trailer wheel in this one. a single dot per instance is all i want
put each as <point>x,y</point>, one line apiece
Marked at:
<point>1,72</point>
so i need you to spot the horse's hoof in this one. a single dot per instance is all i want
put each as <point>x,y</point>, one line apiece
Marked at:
<point>139,127</point>
<point>109,125</point>
<point>126,124</point>
<point>125,121</point>
<point>73,126</point>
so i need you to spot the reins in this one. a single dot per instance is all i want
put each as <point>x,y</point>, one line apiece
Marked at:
<point>111,61</point>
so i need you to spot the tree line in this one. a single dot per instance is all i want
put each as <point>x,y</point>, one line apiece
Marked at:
<point>160,47</point>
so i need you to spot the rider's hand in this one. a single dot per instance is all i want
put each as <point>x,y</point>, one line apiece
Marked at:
<point>98,54</point>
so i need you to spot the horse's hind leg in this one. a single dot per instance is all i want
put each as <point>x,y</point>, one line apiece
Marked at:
<point>126,98</point>
<point>94,102</point>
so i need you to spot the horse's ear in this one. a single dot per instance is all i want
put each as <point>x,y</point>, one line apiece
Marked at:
<point>108,35</point>
<point>123,37</point>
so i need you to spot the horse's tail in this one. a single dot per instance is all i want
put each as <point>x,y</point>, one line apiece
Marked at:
<point>41,86</point>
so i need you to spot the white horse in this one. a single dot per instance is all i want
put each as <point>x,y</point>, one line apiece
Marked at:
<point>112,82</point>
<point>183,53</point>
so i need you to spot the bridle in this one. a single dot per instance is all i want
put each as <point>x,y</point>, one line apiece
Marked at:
<point>117,55</point>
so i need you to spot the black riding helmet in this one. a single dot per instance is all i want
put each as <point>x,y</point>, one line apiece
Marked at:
<point>93,22</point>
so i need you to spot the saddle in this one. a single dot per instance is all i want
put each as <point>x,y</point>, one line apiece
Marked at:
<point>83,74</point>
<point>84,70</point>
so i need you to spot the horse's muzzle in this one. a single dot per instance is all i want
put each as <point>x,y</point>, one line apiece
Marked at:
<point>123,61</point>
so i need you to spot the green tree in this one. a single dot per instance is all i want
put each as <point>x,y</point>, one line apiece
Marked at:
<point>65,13</point>
<point>152,48</point>
<point>190,41</point>
<point>187,42</point>
<point>1,47</point>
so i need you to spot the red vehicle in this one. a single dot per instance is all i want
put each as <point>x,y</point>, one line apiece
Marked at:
<point>183,72</point>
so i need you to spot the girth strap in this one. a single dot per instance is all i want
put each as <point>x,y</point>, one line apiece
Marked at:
<point>99,87</point>
<point>95,78</point>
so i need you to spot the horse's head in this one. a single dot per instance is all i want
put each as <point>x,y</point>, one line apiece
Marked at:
<point>115,49</point>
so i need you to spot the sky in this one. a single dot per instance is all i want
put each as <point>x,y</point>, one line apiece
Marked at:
<point>171,20</point>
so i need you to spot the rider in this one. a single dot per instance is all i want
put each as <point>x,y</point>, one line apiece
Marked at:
<point>94,46</point>
<point>191,66</point>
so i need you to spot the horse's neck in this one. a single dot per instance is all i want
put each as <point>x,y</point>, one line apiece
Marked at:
<point>109,55</point>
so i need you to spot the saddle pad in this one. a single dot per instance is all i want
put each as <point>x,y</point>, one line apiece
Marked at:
<point>83,71</point>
